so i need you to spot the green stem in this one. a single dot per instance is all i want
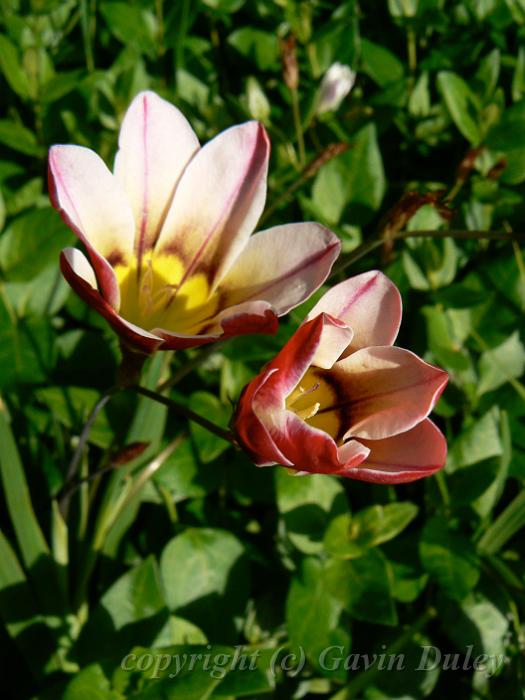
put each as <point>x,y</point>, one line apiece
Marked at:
<point>298,125</point>
<point>188,367</point>
<point>77,455</point>
<point>185,412</point>
<point>412,50</point>
<point>504,527</point>
<point>143,477</point>
<point>375,242</point>
<point>86,23</point>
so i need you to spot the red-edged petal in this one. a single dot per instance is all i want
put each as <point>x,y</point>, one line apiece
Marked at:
<point>243,319</point>
<point>294,359</point>
<point>370,304</point>
<point>156,143</point>
<point>419,452</point>
<point>283,265</point>
<point>92,203</point>
<point>218,201</point>
<point>385,391</point>
<point>74,266</point>
<point>312,450</point>
<point>251,431</point>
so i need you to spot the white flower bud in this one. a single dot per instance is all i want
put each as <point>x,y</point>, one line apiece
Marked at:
<point>335,86</point>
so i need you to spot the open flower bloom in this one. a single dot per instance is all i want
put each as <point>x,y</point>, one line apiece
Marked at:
<point>170,260</point>
<point>340,399</point>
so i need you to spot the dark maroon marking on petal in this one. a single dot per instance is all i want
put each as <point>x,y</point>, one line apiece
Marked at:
<point>115,258</point>
<point>92,297</point>
<point>342,406</point>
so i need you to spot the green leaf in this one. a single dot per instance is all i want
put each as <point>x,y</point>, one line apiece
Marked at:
<point>478,623</point>
<point>72,406</point>
<point>17,137</point>
<point>20,614</point>
<point>380,64</point>
<point>307,504</point>
<point>27,348</point>
<point>91,684</point>
<point>348,537</point>
<point>508,137</point>
<point>506,525</point>
<point>477,442</point>
<point>133,607</point>
<point>32,242</point>
<point>462,105</point>
<point>355,179</point>
<point>11,67</point>
<point>226,6</point>
<point>262,47</point>
<point>132,25</point>
<point>31,540</point>
<point>60,85</point>
<point>364,587</point>
<point>209,446</point>
<point>499,365</point>
<point>184,475</point>
<point>313,614</point>
<point>450,559</point>
<point>430,264</point>
<point>34,549</point>
<point>205,577</point>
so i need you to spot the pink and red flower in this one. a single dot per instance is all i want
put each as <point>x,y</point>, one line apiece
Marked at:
<point>171,263</point>
<point>339,398</point>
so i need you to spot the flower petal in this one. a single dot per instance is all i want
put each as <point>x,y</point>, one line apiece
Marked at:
<point>251,432</point>
<point>218,201</point>
<point>283,265</point>
<point>156,143</point>
<point>293,360</point>
<point>92,200</point>
<point>415,454</point>
<point>94,205</point>
<point>311,450</point>
<point>300,445</point>
<point>75,268</point>
<point>249,317</point>
<point>384,391</point>
<point>243,319</point>
<point>369,303</point>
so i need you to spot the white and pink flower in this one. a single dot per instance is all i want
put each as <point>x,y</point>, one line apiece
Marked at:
<point>170,258</point>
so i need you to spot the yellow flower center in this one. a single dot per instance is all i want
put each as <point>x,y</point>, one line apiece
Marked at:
<point>315,400</point>
<point>158,296</point>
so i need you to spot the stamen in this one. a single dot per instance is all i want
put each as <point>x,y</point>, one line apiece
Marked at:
<point>301,393</point>
<point>308,412</point>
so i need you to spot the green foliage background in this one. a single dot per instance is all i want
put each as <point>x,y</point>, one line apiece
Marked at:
<point>212,549</point>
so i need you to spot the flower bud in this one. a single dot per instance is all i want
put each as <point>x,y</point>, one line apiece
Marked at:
<point>335,86</point>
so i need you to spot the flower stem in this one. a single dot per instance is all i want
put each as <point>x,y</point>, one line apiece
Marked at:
<point>186,412</point>
<point>376,241</point>
<point>79,450</point>
<point>298,125</point>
